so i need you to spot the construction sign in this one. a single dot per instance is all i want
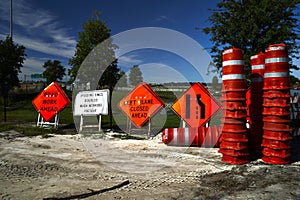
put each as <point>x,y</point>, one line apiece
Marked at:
<point>141,104</point>
<point>196,106</point>
<point>94,102</point>
<point>51,101</point>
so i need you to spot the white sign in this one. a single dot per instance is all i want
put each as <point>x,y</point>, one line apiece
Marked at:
<point>93,102</point>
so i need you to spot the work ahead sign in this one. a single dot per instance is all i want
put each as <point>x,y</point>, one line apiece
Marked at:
<point>51,101</point>
<point>93,102</point>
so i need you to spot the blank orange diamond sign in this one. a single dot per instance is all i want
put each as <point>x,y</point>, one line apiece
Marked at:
<point>196,106</point>
<point>141,104</point>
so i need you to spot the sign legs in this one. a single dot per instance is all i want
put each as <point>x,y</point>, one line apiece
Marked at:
<point>81,124</point>
<point>42,123</point>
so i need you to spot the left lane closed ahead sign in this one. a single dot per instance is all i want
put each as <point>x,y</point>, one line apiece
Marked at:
<point>141,104</point>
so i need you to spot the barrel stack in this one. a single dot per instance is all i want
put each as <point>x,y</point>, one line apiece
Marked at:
<point>234,139</point>
<point>276,106</point>
<point>256,105</point>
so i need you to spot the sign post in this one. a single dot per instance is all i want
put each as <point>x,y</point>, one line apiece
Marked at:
<point>91,103</point>
<point>49,103</point>
<point>196,106</point>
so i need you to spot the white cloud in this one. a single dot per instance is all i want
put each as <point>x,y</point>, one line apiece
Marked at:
<point>129,60</point>
<point>165,18</point>
<point>45,47</point>
<point>38,29</point>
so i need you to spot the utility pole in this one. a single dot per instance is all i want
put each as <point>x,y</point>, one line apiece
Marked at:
<point>11,20</point>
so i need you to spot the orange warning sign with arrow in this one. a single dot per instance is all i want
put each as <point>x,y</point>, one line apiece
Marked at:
<point>196,106</point>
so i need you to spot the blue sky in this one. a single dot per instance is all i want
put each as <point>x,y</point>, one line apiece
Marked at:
<point>49,29</point>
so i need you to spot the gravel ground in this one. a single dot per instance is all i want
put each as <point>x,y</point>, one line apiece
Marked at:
<point>65,165</point>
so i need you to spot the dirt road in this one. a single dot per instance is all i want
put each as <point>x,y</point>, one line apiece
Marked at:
<point>65,165</point>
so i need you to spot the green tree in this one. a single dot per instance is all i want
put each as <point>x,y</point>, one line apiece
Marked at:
<point>253,25</point>
<point>94,61</point>
<point>94,32</point>
<point>53,71</point>
<point>135,75</point>
<point>123,79</point>
<point>214,83</point>
<point>12,57</point>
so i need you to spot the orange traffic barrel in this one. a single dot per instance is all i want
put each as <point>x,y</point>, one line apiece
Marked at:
<point>276,144</point>
<point>276,76</point>
<point>181,136</point>
<point>235,160</point>
<point>281,153</point>
<point>233,152</point>
<point>232,145</point>
<point>276,94</point>
<point>234,95</point>
<point>276,101</point>
<point>233,124</point>
<point>233,70</point>
<point>234,113</point>
<point>234,132</point>
<point>258,65</point>
<point>209,136</point>
<point>276,160</point>
<point>276,106</point>
<point>233,137</point>
<point>277,135</point>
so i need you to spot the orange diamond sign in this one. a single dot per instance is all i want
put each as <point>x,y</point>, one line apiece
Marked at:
<point>51,101</point>
<point>141,104</point>
<point>196,106</point>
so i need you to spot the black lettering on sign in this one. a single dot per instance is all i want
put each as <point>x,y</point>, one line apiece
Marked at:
<point>146,101</point>
<point>138,108</point>
<point>50,94</point>
<point>49,101</point>
<point>49,108</point>
<point>138,115</point>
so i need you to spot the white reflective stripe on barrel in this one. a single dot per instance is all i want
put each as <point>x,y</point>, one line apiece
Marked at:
<point>186,136</point>
<point>257,67</point>
<point>233,76</point>
<point>166,134</point>
<point>276,74</point>
<point>276,60</point>
<point>254,57</point>
<point>255,80</point>
<point>232,62</point>
<point>175,135</point>
<point>227,51</point>
<point>276,48</point>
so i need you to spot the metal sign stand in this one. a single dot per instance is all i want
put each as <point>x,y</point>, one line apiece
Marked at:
<point>42,123</point>
<point>129,126</point>
<point>89,126</point>
<point>149,129</point>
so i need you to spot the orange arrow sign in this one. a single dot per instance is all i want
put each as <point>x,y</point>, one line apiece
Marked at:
<point>196,106</point>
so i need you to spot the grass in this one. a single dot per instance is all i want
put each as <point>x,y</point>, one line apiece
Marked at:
<point>22,116</point>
